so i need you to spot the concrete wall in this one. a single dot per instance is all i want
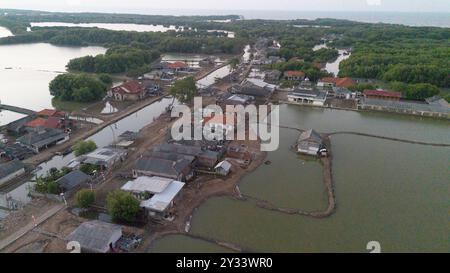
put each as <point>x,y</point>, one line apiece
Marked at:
<point>404,111</point>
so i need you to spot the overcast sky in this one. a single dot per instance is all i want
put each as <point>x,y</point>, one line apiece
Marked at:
<point>290,5</point>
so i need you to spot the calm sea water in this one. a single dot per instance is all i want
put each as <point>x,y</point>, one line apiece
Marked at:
<point>438,19</point>
<point>404,18</point>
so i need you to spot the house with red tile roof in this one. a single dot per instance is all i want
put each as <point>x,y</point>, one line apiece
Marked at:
<point>382,94</point>
<point>178,66</point>
<point>130,90</point>
<point>51,122</point>
<point>336,82</point>
<point>51,113</point>
<point>292,75</point>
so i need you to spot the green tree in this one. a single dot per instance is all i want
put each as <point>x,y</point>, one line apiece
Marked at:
<point>184,90</point>
<point>122,206</point>
<point>84,147</point>
<point>234,63</point>
<point>362,86</point>
<point>89,169</point>
<point>106,79</point>
<point>77,87</point>
<point>398,86</point>
<point>421,91</point>
<point>447,97</point>
<point>85,198</point>
<point>53,187</point>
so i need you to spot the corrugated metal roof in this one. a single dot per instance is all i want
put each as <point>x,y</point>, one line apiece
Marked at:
<point>160,202</point>
<point>73,179</point>
<point>94,235</point>
<point>10,167</point>
<point>404,105</point>
<point>154,184</point>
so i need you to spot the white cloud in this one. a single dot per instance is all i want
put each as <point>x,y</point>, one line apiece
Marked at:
<point>374,2</point>
<point>74,3</point>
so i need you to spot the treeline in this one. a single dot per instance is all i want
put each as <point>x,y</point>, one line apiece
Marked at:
<point>313,73</point>
<point>79,87</point>
<point>183,42</point>
<point>418,91</point>
<point>409,66</point>
<point>86,17</point>
<point>322,55</point>
<point>398,53</point>
<point>16,27</point>
<point>117,59</point>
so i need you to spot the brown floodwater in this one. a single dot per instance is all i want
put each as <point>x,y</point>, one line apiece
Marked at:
<point>390,192</point>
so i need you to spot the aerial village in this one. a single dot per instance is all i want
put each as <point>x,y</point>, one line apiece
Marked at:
<point>168,178</point>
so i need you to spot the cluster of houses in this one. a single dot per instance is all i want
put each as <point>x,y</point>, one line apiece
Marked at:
<point>29,136</point>
<point>330,88</point>
<point>151,83</point>
<point>160,174</point>
<point>36,132</point>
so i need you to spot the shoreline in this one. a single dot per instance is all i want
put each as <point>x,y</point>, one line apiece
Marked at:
<point>227,188</point>
<point>363,110</point>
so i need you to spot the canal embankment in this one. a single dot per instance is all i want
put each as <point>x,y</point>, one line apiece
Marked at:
<point>433,115</point>
<point>49,153</point>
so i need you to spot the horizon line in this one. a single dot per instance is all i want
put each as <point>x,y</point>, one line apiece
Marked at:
<point>226,10</point>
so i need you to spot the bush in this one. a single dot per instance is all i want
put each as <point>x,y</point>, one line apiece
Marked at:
<point>85,198</point>
<point>447,97</point>
<point>53,187</point>
<point>361,87</point>
<point>122,206</point>
<point>78,87</point>
<point>89,169</point>
<point>84,147</point>
<point>47,184</point>
<point>106,79</point>
<point>421,91</point>
<point>184,90</point>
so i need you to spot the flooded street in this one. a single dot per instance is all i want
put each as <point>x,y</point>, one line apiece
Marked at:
<point>334,66</point>
<point>386,191</point>
<point>211,78</point>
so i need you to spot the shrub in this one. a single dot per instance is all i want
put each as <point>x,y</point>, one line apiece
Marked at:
<point>122,206</point>
<point>53,187</point>
<point>84,147</point>
<point>85,198</point>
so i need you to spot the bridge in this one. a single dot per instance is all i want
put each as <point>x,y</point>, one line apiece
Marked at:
<point>16,109</point>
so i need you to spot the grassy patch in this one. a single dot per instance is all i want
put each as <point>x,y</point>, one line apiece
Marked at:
<point>69,106</point>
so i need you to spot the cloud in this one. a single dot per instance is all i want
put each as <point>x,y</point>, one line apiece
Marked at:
<point>74,3</point>
<point>373,2</point>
